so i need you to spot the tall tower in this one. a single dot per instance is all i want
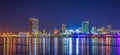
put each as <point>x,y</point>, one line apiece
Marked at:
<point>63,27</point>
<point>85,27</point>
<point>109,28</point>
<point>94,29</point>
<point>33,26</point>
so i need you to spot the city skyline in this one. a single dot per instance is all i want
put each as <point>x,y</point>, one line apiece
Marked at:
<point>62,26</point>
<point>34,23</point>
<point>51,14</point>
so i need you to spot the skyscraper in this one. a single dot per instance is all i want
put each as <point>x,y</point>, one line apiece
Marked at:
<point>33,26</point>
<point>109,28</point>
<point>94,30</point>
<point>85,27</point>
<point>56,32</point>
<point>63,27</point>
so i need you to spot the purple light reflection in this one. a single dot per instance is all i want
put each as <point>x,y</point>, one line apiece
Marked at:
<point>118,44</point>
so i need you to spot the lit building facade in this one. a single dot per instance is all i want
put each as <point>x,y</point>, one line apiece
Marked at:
<point>63,27</point>
<point>33,26</point>
<point>109,28</point>
<point>85,27</point>
<point>94,30</point>
<point>56,32</point>
<point>101,30</point>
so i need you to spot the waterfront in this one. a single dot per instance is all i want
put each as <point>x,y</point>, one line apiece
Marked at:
<point>59,46</point>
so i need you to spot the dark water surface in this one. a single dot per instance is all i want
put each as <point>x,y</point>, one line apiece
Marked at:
<point>59,46</point>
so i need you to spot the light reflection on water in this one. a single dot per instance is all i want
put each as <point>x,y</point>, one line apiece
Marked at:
<point>77,46</point>
<point>59,46</point>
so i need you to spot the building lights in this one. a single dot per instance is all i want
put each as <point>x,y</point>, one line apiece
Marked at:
<point>84,30</point>
<point>71,30</point>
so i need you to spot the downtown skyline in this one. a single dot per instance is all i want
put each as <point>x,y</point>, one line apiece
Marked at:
<point>68,26</point>
<point>51,14</point>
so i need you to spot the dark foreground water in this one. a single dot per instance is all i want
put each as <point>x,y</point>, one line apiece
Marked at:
<point>59,46</point>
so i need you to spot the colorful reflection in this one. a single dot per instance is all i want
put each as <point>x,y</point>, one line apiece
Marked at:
<point>77,46</point>
<point>118,46</point>
<point>55,48</point>
<point>59,46</point>
<point>70,46</point>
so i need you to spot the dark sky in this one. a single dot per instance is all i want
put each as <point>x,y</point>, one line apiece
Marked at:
<point>51,14</point>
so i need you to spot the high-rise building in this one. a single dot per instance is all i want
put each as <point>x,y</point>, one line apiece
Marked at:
<point>109,28</point>
<point>85,27</point>
<point>63,27</point>
<point>33,26</point>
<point>94,29</point>
<point>56,32</point>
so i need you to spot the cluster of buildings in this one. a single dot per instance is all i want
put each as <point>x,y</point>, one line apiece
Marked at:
<point>63,31</point>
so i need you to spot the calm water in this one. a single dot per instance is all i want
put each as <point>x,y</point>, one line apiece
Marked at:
<point>59,46</point>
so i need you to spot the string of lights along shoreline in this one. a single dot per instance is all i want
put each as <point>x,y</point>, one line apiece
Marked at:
<point>84,30</point>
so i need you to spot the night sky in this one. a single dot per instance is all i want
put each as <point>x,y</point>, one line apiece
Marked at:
<point>14,15</point>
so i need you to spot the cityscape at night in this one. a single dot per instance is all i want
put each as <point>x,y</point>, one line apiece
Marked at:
<point>63,31</point>
<point>63,27</point>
